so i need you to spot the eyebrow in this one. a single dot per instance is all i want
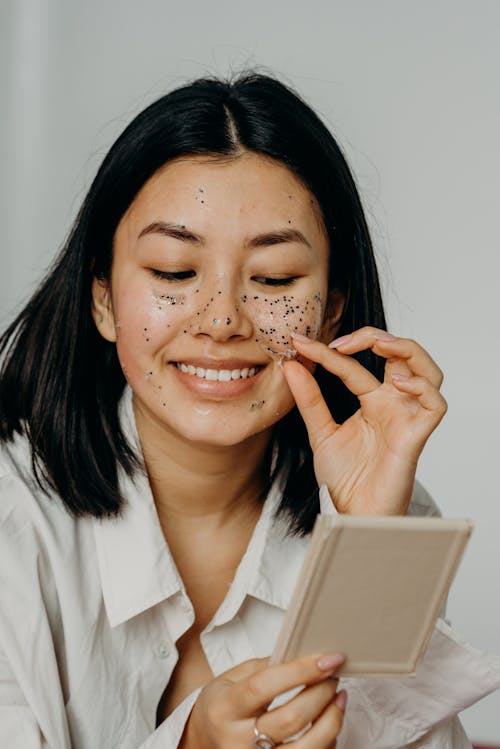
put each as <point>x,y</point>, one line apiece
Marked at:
<point>266,239</point>
<point>167,229</point>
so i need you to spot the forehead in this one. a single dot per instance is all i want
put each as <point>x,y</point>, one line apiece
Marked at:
<point>237,190</point>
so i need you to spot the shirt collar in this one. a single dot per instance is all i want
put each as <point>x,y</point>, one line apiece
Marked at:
<point>270,565</point>
<point>137,569</point>
<point>278,561</point>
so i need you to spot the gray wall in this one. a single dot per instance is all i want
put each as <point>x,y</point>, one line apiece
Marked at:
<point>412,91</point>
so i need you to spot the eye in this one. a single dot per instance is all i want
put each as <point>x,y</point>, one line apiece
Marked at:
<point>270,281</point>
<point>167,275</point>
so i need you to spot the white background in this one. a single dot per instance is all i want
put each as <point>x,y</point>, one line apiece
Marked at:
<point>412,91</point>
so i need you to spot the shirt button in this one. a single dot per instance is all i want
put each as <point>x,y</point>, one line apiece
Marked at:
<point>162,651</point>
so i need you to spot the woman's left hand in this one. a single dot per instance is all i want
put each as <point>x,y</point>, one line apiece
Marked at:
<point>368,463</point>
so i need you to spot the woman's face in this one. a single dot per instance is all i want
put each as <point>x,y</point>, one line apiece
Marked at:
<point>215,264</point>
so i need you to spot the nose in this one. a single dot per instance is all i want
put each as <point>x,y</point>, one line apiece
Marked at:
<point>221,314</point>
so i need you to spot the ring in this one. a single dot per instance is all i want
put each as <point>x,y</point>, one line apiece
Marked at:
<point>261,740</point>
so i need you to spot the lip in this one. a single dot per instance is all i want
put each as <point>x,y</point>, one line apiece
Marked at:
<point>213,389</point>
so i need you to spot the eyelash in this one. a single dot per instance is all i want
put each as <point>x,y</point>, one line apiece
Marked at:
<point>166,275</point>
<point>266,281</point>
<point>185,274</point>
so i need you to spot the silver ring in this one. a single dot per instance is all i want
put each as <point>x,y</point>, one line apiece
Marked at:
<point>261,740</point>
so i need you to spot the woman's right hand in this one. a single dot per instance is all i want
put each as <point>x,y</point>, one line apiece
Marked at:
<point>224,714</point>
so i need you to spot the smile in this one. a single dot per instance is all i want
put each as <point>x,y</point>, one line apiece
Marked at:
<point>218,375</point>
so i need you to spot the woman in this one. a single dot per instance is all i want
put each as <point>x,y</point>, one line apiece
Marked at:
<point>158,483</point>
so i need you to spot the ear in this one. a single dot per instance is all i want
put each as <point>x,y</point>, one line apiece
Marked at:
<point>102,309</point>
<point>333,315</point>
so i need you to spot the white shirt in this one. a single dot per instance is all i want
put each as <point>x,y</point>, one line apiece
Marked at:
<point>90,612</point>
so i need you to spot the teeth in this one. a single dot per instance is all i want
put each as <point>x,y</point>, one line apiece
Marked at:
<point>217,375</point>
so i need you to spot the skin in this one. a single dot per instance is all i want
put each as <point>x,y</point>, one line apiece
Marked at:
<point>226,309</point>
<point>224,226</point>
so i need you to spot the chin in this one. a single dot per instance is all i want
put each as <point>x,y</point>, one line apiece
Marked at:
<point>222,435</point>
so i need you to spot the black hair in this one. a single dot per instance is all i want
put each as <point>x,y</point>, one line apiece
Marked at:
<point>61,382</point>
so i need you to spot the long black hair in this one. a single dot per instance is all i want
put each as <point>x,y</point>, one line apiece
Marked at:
<point>60,381</point>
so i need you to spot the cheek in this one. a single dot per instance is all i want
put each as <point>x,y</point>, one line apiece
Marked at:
<point>276,319</point>
<point>144,322</point>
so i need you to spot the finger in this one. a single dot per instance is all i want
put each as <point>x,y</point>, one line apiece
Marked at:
<point>319,422</point>
<point>417,359</point>
<point>391,347</point>
<point>325,730</point>
<point>356,377</point>
<point>251,696</point>
<point>245,669</point>
<point>293,716</point>
<point>428,397</point>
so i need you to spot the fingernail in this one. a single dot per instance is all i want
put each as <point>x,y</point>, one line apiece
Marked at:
<point>385,337</point>
<point>340,341</point>
<point>341,700</point>
<point>330,662</point>
<point>400,377</point>
<point>302,338</point>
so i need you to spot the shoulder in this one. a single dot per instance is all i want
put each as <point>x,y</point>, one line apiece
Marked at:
<point>422,503</point>
<point>22,500</point>
<point>35,526</point>
<point>47,556</point>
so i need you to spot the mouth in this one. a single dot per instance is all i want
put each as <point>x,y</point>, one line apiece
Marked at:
<point>219,374</point>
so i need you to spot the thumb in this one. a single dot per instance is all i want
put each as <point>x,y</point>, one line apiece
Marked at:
<point>319,422</point>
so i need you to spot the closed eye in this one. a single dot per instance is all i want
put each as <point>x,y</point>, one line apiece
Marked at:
<point>166,275</point>
<point>270,281</point>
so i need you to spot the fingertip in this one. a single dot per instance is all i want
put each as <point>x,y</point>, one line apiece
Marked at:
<point>330,662</point>
<point>398,377</point>
<point>291,365</point>
<point>302,339</point>
<point>340,700</point>
<point>340,341</point>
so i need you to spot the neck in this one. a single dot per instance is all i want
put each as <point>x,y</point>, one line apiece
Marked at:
<point>196,484</point>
